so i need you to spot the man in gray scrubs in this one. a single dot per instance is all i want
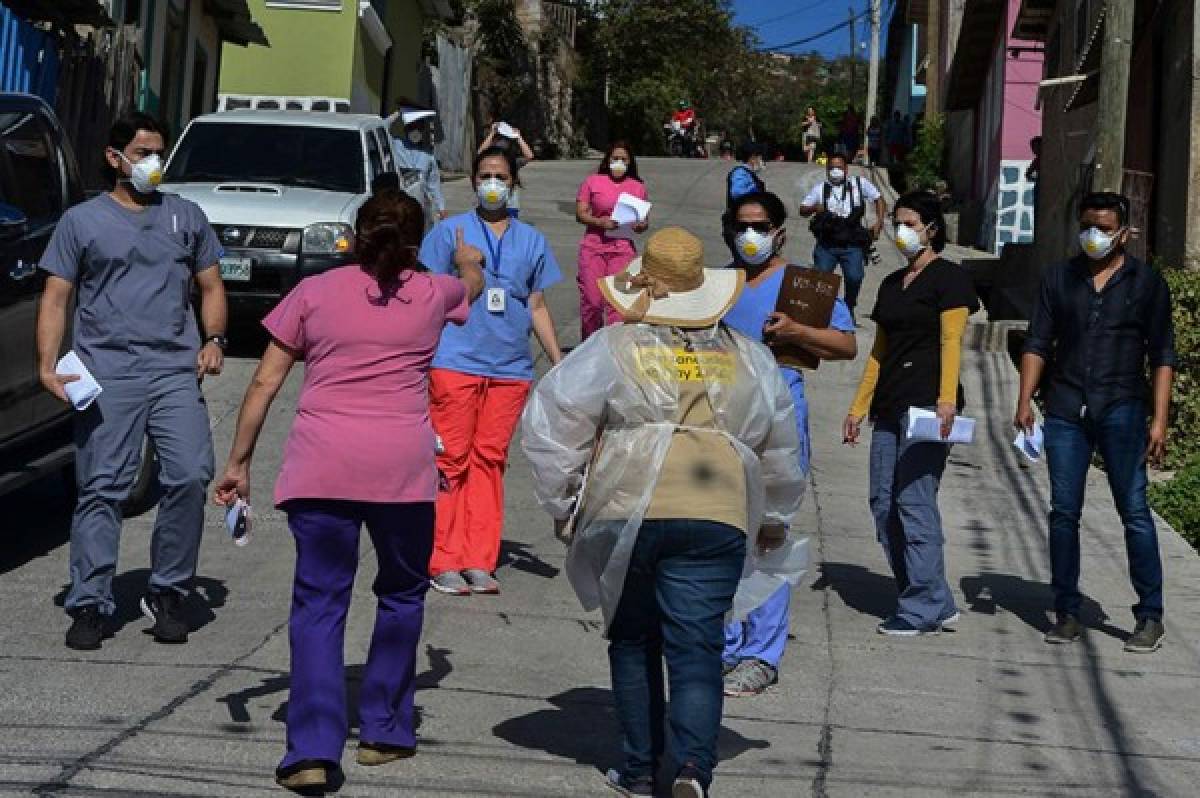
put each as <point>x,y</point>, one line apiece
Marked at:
<point>132,257</point>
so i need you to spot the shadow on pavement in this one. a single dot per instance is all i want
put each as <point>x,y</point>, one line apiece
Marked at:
<point>583,728</point>
<point>207,594</point>
<point>37,520</point>
<point>1032,602</point>
<point>521,557</point>
<point>859,588</point>
<point>239,702</point>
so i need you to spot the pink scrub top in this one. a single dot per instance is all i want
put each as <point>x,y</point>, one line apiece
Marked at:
<point>600,192</point>
<point>362,430</point>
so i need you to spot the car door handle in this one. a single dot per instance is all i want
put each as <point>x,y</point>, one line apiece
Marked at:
<point>23,270</point>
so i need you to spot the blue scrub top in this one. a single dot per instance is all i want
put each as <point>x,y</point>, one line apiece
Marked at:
<point>133,273</point>
<point>520,262</point>
<point>750,313</point>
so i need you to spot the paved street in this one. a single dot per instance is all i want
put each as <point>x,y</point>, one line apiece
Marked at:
<point>513,689</point>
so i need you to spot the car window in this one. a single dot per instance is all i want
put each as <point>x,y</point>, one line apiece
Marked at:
<point>30,177</point>
<point>374,155</point>
<point>290,155</point>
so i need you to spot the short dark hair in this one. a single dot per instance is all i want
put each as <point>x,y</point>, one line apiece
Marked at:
<point>385,181</point>
<point>839,155</point>
<point>387,233</point>
<point>1107,201</point>
<point>125,130</point>
<point>619,144</point>
<point>769,202</point>
<point>496,152</point>
<point>926,205</point>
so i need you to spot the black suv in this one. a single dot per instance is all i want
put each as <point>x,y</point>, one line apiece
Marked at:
<point>39,179</point>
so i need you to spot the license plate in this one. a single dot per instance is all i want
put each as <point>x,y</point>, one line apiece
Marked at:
<point>236,269</point>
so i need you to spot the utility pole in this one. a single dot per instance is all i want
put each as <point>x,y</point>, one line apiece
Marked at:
<point>853,53</point>
<point>933,59</point>
<point>1113,99</point>
<point>873,72</point>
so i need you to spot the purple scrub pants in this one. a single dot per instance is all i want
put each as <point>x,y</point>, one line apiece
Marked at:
<point>327,534</point>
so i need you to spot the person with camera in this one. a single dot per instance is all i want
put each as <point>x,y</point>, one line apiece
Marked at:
<point>838,206</point>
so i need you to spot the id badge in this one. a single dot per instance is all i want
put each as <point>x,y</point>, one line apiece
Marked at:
<point>496,300</point>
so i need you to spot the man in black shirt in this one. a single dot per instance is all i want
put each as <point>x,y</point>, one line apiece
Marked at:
<point>1102,320</point>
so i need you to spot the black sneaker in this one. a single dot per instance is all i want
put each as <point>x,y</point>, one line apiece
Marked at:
<point>1147,636</point>
<point>1066,629</point>
<point>164,610</point>
<point>616,780</point>
<point>88,629</point>
<point>688,784</point>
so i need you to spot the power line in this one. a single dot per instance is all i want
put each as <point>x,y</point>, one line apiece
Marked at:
<point>788,15</point>
<point>815,36</point>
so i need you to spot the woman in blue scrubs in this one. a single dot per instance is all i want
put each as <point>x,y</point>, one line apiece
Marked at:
<point>754,647</point>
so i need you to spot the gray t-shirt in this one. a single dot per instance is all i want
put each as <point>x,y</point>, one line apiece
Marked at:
<point>133,273</point>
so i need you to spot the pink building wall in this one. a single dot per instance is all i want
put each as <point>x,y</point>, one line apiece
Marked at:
<point>1022,120</point>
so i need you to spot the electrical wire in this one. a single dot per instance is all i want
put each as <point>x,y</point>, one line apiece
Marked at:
<point>788,15</point>
<point>815,36</point>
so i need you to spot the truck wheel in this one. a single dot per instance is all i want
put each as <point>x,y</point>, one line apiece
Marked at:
<point>144,494</point>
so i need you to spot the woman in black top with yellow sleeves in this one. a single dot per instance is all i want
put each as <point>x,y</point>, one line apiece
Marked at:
<point>920,314</point>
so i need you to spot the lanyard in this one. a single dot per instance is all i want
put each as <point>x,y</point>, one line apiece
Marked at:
<point>495,246</point>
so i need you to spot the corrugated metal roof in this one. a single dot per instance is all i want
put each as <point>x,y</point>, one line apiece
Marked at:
<point>1088,90</point>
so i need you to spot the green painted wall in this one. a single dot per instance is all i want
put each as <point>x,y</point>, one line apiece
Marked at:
<point>405,22</point>
<point>311,53</point>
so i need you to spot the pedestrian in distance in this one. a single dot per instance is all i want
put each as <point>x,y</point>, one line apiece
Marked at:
<point>504,136</point>
<point>754,647</point>
<point>850,132</point>
<point>360,451</point>
<point>131,257</point>
<point>874,142</point>
<point>483,371</point>
<point>681,436</point>
<point>601,255</point>
<point>413,152</point>
<point>812,134</point>
<point>838,206</point>
<point>1101,323</point>
<point>920,314</point>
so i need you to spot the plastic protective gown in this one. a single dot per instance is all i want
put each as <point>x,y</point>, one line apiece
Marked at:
<point>615,385</point>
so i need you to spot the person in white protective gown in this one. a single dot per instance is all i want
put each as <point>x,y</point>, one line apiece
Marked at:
<point>666,450</point>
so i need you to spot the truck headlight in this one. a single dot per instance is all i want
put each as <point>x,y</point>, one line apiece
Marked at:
<point>328,238</point>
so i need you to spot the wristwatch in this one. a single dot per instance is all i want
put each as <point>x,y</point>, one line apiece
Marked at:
<point>219,340</point>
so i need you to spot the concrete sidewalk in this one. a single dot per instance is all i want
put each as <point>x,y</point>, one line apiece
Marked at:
<point>514,689</point>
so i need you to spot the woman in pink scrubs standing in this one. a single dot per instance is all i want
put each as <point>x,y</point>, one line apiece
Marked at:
<point>602,255</point>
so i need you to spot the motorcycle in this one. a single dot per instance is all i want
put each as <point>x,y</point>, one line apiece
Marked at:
<point>680,141</point>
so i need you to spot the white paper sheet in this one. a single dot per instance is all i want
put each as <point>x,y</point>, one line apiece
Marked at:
<point>628,211</point>
<point>1031,444</point>
<point>83,391</point>
<point>924,425</point>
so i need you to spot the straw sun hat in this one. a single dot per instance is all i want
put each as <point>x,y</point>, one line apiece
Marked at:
<point>669,284</point>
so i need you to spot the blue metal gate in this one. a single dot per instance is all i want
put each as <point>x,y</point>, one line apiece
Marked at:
<point>28,57</point>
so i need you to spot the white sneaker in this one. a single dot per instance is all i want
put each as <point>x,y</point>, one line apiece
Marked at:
<point>950,622</point>
<point>451,583</point>
<point>480,581</point>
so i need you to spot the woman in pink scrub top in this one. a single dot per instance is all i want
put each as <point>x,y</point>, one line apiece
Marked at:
<point>360,451</point>
<point>601,255</point>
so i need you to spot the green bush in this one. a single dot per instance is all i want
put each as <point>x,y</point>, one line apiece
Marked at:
<point>1184,441</point>
<point>1177,502</point>
<point>924,168</point>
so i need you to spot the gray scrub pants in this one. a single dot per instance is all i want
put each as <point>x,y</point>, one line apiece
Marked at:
<point>108,437</point>
<point>904,486</point>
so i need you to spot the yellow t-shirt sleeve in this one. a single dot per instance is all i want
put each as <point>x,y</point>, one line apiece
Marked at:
<point>866,386</point>
<point>954,323</point>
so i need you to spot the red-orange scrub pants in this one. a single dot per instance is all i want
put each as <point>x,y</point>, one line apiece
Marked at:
<point>476,418</point>
<point>481,375</point>
<point>599,255</point>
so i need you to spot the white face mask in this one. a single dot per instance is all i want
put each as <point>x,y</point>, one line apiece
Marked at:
<point>617,167</point>
<point>493,194</point>
<point>908,241</point>
<point>755,248</point>
<point>1096,243</point>
<point>415,136</point>
<point>836,175</point>
<point>146,174</point>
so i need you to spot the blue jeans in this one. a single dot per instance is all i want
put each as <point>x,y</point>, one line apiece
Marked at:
<point>1120,437</point>
<point>681,581</point>
<point>827,259</point>
<point>904,485</point>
